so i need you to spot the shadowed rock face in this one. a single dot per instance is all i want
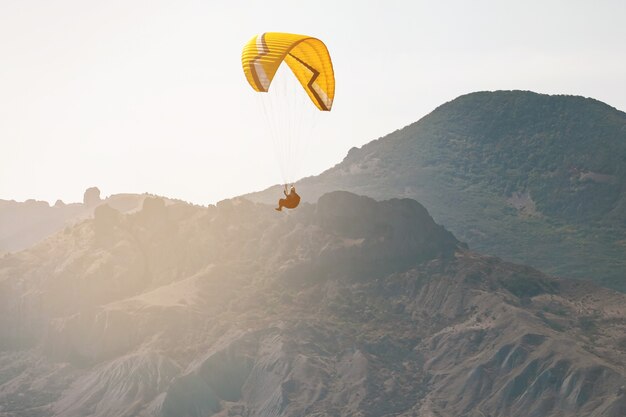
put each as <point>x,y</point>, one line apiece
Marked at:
<point>346,307</point>
<point>379,237</point>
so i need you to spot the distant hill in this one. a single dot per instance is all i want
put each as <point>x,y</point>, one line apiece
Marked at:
<point>347,307</point>
<point>532,178</point>
<point>23,224</point>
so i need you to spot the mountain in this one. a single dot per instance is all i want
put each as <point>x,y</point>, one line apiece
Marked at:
<point>532,178</point>
<point>346,307</point>
<point>22,224</point>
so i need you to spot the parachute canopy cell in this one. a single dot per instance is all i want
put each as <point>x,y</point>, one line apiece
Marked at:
<point>307,57</point>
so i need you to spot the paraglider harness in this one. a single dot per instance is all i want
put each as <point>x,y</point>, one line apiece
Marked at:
<point>291,200</point>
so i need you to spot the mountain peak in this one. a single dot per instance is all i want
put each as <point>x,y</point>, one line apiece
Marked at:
<point>533,178</point>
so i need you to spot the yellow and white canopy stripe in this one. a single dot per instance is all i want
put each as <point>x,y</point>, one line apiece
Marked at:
<point>307,57</point>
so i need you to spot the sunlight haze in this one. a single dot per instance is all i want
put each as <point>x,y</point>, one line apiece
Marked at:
<point>149,96</point>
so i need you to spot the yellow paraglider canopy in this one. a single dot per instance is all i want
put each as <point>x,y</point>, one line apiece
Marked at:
<point>307,58</point>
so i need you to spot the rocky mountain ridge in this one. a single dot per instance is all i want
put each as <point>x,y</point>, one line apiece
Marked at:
<point>532,178</point>
<point>23,224</point>
<point>345,307</point>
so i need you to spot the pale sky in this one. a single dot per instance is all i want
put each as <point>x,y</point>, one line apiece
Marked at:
<point>149,96</point>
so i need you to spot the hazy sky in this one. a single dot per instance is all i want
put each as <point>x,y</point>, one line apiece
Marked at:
<point>149,96</point>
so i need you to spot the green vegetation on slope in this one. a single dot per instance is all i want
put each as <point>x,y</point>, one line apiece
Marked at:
<point>568,152</point>
<point>532,178</point>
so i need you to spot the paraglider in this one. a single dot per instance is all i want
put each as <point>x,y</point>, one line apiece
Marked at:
<point>290,201</point>
<point>309,62</point>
